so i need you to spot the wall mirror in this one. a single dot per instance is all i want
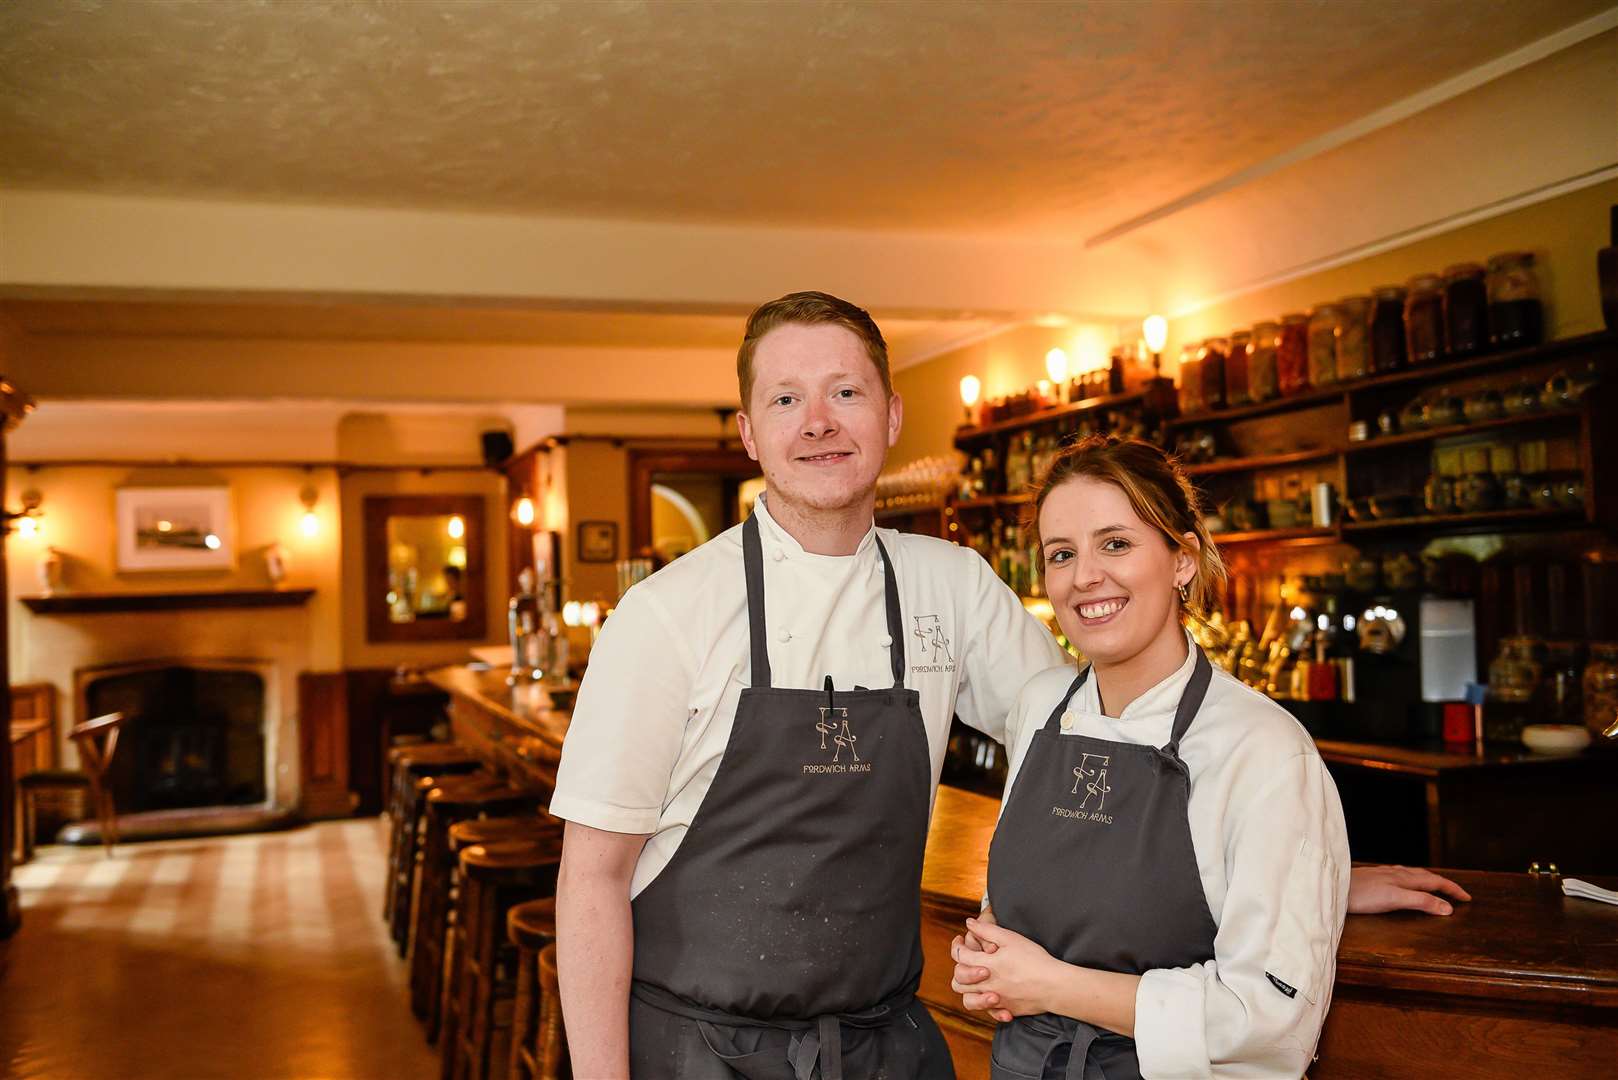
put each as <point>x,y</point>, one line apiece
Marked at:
<point>424,568</point>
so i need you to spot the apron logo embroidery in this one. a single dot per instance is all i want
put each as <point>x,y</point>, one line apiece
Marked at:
<point>930,629</point>
<point>1091,771</point>
<point>842,738</point>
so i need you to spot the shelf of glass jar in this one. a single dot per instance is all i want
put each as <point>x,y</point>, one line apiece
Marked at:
<point>1346,389</point>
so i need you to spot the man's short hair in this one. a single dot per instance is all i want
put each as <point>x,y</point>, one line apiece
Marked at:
<point>809,309</point>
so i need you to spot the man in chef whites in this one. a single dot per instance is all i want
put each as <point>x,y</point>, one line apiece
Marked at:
<point>733,902</point>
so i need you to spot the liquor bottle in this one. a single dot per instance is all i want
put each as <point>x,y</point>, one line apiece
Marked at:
<point>525,623</point>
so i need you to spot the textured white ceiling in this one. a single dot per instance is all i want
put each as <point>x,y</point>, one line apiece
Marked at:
<point>1048,119</point>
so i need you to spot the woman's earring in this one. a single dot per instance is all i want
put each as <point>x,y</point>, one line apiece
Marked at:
<point>1185,593</point>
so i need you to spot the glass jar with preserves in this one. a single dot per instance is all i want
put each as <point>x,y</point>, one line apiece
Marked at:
<point>1323,345</point>
<point>1516,317</point>
<point>1387,328</point>
<point>1241,347</point>
<point>1600,687</point>
<point>1353,337</point>
<point>1466,310</point>
<point>1212,362</point>
<point>1424,319</point>
<point>1190,381</point>
<point>1261,373</point>
<point>1292,355</point>
<point>1514,678</point>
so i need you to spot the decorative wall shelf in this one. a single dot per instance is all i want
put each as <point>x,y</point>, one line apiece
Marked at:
<point>109,603</point>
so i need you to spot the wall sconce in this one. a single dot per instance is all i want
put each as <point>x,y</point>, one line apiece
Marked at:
<point>311,521</point>
<point>1155,329</point>
<point>971,389</point>
<point>457,527</point>
<point>28,521</point>
<point>523,512</point>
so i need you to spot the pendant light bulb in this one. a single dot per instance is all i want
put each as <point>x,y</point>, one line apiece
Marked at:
<point>457,527</point>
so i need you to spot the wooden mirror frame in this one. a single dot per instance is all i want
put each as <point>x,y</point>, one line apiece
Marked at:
<point>731,465</point>
<point>380,628</point>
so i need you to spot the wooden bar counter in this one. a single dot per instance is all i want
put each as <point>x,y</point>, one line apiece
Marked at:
<point>1520,980</point>
<point>516,730</point>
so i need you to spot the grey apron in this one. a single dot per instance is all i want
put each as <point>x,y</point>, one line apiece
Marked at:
<point>1092,859</point>
<point>783,940</point>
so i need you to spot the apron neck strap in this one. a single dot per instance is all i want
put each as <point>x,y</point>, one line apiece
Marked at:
<point>1190,701</point>
<point>1054,721</point>
<point>896,626</point>
<point>753,564</point>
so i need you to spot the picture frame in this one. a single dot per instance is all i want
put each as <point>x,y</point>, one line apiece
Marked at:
<point>598,541</point>
<point>175,529</point>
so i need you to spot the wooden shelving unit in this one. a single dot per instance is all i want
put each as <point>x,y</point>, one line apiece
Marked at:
<point>1480,521</point>
<point>966,436</point>
<point>1451,431</point>
<point>1596,345</point>
<point>1261,461</point>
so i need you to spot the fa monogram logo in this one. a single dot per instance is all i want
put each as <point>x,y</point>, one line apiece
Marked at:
<point>1096,774</point>
<point>931,632</point>
<point>842,737</point>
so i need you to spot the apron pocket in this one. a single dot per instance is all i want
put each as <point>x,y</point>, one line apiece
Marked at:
<point>1300,951</point>
<point>1020,1049</point>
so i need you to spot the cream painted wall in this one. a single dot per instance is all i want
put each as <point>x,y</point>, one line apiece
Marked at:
<point>1563,233</point>
<point>598,490</point>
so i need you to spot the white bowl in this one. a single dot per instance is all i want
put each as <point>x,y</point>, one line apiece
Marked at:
<point>1555,738</point>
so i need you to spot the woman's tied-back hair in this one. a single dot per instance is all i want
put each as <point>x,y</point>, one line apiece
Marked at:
<point>1161,494</point>
<point>809,309</point>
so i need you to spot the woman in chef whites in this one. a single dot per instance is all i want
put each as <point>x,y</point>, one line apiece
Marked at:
<point>1168,878</point>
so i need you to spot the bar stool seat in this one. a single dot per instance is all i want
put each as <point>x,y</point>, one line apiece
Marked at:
<point>496,830</point>
<point>451,800</point>
<point>532,925</point>
<point>482,968</point>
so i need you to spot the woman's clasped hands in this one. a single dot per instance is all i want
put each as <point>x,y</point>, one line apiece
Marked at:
<point>1001,972</point>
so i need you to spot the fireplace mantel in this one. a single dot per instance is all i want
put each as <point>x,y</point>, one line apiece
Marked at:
<point>105,603</point>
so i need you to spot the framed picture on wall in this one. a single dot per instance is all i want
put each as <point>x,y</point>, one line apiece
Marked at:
<point>175,528</point>
<point>598,541</point>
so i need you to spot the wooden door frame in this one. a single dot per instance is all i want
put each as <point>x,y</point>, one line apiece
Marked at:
<point>644,464</point>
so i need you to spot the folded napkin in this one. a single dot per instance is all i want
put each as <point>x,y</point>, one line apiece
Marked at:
<point>1572,886</point>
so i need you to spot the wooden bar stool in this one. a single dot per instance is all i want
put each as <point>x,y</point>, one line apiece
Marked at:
<point>554,1063</point>
<point>96,740</point>
<point>538,1048</point>
<point>407,765</point>
<point>494,878</point>
<point>451,800</point>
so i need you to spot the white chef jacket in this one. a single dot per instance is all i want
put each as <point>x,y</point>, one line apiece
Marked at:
<point>654,713</point>
<point>1272,851</point>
